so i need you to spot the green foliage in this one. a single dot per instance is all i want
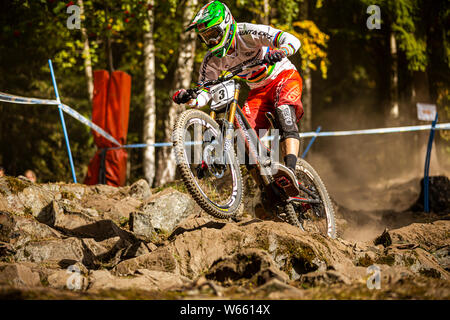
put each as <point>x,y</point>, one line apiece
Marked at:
<point>404,18</point>
<point>346,60</point>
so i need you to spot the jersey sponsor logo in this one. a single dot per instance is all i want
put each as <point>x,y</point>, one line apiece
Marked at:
<point>247,109</point>
<point>294,93</point>
<point>286,111</point>
<point>256,32</point>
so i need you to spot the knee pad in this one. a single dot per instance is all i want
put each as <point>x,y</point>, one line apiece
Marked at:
<point>287,120</point>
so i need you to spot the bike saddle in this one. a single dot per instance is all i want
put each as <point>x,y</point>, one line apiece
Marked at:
<point>285,179</point>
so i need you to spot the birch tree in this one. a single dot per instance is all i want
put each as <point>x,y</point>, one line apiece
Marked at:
<point>306,123</point>
<point>149,95</point>
<point>86,55</point>
<point>183,76</point>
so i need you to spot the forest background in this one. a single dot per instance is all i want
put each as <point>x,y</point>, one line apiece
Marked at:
<point>355,77</point>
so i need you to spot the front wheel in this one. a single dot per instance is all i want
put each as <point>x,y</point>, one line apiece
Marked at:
<point>212,178</point>
<point>314,217</point>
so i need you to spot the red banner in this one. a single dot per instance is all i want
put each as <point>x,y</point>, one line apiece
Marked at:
<point>110,111</point>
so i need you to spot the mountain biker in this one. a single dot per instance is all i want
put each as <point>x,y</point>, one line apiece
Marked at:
<point>275,86</point>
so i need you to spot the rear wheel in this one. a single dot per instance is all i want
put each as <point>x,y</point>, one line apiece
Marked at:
<point>314,217</point>
<point>214,182</point>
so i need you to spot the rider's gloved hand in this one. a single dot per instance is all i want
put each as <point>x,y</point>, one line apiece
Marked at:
<point>183,96</point>
<point>274,56</point>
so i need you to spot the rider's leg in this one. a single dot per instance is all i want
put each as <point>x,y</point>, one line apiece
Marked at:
<point>287,119</point>
<point>290,147</point>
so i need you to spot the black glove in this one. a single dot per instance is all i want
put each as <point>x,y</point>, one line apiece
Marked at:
<point>274,56</point>
<point>183,96</point>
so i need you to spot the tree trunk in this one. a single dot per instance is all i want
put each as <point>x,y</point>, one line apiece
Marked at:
<point>266,19</point>
<point>306,122</point>
<point>183,76</point>
<point>86,56</point>
<point>394,106</point>
<point>108,48</point>
<point>307,100</point>
<point>149,97</point>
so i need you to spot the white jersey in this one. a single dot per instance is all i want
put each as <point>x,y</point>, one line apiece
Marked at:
<point>253,42</point>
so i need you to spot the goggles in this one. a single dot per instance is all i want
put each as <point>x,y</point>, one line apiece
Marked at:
<point>212,36</point>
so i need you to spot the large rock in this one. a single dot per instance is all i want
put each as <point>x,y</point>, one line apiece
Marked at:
<point>442,255</point>
<point>6,226</point>
<point>72,278</point>
<point>406,249</point>
<point>429,236</point>
<point>438,197</point>
<point>168,208</point>
<point>102,230</point>
<point>141,225</point>
<point>140,190</point>
<point>69,191</point>
<point>112,251</point>
<point>25,197</point>
<point>199,243</point>
<point>18,230</point>
<point>68,215</point>
<point>117,207</point>
<point>62,253</point>
<point>144,279</point>
<point>18,275</point>
<point>158,260</point>
<point>254,265</point>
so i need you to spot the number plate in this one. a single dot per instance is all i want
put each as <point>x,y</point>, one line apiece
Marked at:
<point>222,94</point>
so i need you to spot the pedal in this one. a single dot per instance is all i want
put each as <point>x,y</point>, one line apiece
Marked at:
<point>285,179</point>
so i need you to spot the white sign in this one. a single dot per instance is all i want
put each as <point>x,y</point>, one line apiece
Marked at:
<point>426,112</point>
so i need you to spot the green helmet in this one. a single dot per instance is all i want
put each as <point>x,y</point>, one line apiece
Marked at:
<point>215,27</point>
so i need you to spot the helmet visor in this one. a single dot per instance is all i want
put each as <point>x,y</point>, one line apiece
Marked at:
<point>212,36</point>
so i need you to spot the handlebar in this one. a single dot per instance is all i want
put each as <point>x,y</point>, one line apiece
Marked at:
<point>225,77</point>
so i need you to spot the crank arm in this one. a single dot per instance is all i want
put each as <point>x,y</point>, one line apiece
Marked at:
<point>304,200</point>
<point>301,187</point>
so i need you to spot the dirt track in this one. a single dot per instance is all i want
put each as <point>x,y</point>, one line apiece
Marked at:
<point>129,243</point>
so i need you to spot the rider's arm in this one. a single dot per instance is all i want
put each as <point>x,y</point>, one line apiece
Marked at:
<point>208,72</point>
<point>263,35</point>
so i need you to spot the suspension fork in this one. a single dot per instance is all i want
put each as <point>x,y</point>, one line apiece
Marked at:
<point>229,125</point>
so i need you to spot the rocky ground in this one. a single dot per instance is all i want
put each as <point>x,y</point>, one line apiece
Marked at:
<point>70,241</point>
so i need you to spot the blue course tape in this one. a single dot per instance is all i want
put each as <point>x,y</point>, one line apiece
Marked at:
<point>374,131</point>
<point>442,126</point>
<point>4,97</point>
<point>17,99</point>
<point>23,100</point>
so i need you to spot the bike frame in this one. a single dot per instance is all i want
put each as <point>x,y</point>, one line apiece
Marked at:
<point>234,114</point>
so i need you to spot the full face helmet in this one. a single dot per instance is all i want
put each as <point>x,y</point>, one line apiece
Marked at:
<point>215,27</point>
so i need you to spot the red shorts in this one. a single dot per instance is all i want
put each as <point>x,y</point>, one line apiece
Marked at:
<point>286,88</point>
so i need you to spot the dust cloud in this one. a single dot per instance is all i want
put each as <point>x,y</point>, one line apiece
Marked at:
<point>373,179</point>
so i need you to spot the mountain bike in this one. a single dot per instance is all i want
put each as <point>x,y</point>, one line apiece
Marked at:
<point>209,150</point>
